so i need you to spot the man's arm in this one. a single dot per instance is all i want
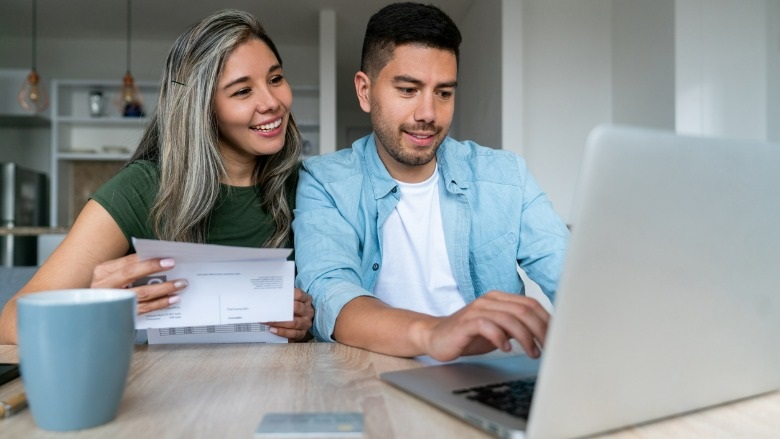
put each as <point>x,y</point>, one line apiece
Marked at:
<point>543,234</point>
<point>482,326</point>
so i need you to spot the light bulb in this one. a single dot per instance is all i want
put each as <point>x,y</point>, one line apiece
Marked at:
<point>33,96</point>
<point>130,102</point>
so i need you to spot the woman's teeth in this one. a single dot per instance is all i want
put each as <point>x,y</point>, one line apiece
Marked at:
<point>268,126</point>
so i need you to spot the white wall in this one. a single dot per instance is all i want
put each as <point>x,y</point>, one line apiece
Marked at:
<point>513,96</point>
<point>773,69</point>
<point>478,97</point>
<point>567,83</point>
<point>105,59</point>
<point>86,58</point>
<point>327,101</point>
<point>700,66</point>
<point>721,68</point>
<point>643,63</point>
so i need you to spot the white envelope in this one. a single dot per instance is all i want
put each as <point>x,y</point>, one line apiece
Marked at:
<point>227,285</point>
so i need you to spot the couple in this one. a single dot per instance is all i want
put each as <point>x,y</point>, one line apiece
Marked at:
<point>406,244</point>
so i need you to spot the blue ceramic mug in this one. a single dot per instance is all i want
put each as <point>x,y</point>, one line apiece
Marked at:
<point>75,348</point>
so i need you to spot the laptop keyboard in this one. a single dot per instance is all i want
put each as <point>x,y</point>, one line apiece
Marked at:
<point>512,397</point>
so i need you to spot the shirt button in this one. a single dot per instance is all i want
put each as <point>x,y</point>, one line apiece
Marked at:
<point>376,266</point>
<point>394,190</point>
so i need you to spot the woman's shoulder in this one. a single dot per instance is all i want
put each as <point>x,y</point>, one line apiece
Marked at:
<point>139,177</point>
<point>143,167</point>
<point>140,173</point>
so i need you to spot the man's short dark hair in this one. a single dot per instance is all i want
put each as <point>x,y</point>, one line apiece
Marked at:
<point>406,23</point>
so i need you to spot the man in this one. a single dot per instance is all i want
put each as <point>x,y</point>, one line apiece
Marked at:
<point>409,241</point>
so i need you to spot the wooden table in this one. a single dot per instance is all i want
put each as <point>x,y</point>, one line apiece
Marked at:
<point>223,391</point>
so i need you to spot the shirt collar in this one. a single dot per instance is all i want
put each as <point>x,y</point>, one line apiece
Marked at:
<point>450,167</point>
<point>381,181</point>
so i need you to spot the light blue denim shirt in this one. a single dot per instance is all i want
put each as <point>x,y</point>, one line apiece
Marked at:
<point>495,216</point>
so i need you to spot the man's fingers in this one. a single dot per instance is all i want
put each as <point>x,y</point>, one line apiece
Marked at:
<point>529,313</point>
<point>499,300</point>
<point>491,321</point>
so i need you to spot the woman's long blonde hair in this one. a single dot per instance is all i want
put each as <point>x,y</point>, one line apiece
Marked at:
<point>183,137</point>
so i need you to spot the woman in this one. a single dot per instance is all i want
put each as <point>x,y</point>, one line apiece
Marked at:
<point>217,164</point>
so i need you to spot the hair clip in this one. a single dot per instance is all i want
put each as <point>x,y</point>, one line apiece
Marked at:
<point>177,82</point>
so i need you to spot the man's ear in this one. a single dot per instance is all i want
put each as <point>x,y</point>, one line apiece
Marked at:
<point>362,87</point>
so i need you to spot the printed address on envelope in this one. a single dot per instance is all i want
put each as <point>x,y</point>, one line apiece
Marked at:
<point>225,293</point>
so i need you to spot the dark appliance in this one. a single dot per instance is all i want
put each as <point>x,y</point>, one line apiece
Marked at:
<point>24,202</point>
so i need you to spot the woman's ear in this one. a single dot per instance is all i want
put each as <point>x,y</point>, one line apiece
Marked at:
<point>362,87</point>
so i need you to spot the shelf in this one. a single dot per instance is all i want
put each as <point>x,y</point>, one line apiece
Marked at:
<point>131,121</point>
<point>23,121</point>
<point>94,156</point>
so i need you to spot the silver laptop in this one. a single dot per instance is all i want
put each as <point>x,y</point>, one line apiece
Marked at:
<point>669,300</point>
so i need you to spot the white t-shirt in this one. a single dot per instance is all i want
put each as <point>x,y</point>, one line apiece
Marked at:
<point>416,273</point>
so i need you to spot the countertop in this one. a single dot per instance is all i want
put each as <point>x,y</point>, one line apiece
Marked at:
<point>32,231</point>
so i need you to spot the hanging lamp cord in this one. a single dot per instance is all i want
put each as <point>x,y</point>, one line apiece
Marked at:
<point>34,31</point>
<point>128,35</point>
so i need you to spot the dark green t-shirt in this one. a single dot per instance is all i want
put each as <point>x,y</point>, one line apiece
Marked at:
<point>238,218</point>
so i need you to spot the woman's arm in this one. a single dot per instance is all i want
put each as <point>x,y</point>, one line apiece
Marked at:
<point>93,254</point>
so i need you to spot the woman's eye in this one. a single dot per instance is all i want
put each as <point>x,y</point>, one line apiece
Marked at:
<point>242,92</point>
<point>276,80</point>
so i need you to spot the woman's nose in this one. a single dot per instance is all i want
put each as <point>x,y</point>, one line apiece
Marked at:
<point>266,101</point>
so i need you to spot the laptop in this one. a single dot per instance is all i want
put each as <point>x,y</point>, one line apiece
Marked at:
<point>669,300</point>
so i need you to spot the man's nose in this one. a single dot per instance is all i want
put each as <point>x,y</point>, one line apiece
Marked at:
<point>426,109</point>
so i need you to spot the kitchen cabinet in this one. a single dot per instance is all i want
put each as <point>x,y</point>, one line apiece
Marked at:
<point>87,150</point>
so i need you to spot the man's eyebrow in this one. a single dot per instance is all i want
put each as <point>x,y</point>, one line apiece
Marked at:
<point>246,78</point>
<point>415,81</point>
<point>409,79</point>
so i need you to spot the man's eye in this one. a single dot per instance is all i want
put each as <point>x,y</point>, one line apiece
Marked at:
<point>445,94</point>
<point>406,91</point>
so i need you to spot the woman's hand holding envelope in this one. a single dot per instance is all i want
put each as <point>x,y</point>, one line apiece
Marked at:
<point>298,329</point>
<point>129,272</point>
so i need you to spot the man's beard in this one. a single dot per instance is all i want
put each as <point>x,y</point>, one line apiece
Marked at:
<point>391,140</point>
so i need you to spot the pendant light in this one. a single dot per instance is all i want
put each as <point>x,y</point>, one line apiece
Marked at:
<point>33,96</point>
<point>130,101</point>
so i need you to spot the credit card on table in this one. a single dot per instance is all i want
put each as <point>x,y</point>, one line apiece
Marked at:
<point>311,424</point>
